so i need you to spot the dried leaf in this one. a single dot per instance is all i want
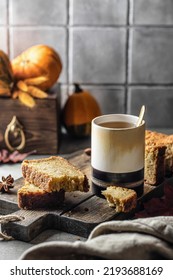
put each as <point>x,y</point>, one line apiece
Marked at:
<point>6,157</point>
<point>168,191</point>
<point>17,156</point>
<point>26,99</point>
<point>22,86</point>
<point>15,94</point>
<point>36,81</point>
<point>5,92</point>
<point>158,206</point>
<point>36,92</point>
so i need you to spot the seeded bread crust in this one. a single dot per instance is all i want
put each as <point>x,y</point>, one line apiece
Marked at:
<point>54,173</point>
<point>30,197</point>
<point>123,199</point>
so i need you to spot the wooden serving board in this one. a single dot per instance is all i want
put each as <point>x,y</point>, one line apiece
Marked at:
<point>79,213</point>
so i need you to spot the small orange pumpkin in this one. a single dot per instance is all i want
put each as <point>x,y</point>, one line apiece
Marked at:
<point>80,108</point>
<point>38,61</point>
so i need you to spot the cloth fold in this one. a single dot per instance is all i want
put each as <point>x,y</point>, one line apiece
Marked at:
<point>143,238</point>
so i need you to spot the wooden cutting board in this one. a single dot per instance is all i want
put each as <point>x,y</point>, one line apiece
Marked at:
<point>79,213</point>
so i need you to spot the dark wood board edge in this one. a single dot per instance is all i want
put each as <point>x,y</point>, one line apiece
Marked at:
<point>73,226</point>
<point>26,229</point>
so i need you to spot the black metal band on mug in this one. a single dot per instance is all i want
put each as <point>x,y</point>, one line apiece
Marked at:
<point>131,180</point>
<point>97,188</point>
<point>129,177</point>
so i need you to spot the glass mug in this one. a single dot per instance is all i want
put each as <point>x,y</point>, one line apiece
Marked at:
<point>117,152</point>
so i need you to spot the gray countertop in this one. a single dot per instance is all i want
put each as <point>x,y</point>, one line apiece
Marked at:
<point>11,250</point>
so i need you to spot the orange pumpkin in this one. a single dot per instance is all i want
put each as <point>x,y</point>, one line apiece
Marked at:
<point>38,61</point>
<point>80,108</point>
<point>6,75</point>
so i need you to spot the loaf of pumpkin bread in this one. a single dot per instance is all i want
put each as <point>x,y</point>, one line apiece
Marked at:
<point>31,197</point>
<point>53,174</point>
<point>153,138</point>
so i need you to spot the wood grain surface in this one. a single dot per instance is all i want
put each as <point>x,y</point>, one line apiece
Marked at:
<point>40,124</point>
<point>79,213</point>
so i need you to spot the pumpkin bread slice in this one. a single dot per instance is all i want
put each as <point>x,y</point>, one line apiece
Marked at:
<point>53,174</point>
<point>31,197</point>
<point>123,199</point>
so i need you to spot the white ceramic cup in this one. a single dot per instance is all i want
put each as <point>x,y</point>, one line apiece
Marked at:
<point>117,153</point>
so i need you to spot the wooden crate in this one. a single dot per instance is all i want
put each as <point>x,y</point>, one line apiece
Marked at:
<point>40,124</point>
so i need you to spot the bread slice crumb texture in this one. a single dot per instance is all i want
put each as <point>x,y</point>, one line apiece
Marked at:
<point>53,174</point>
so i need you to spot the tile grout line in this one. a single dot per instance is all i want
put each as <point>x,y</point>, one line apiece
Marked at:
<point>127,55</point>
<point>119,85</point>
<point>131,26</point>
<point>129,51</point>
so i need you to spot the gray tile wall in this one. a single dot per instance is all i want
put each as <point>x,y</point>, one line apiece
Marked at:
<point>121,50</point>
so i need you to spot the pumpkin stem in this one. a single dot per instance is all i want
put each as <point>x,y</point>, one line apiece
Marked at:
<point>77,88</point>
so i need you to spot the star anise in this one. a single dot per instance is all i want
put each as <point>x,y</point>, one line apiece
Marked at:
<point>6,183</point>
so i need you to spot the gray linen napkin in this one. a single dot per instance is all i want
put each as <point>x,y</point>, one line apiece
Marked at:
<point>144,238</point>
